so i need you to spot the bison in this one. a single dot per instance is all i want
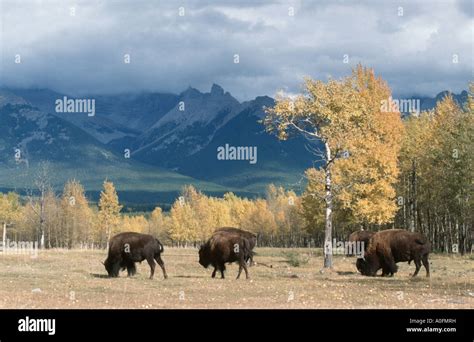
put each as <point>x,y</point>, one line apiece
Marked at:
<point>388,247</point>
<point>361,236</point>
<point>225,247</point>
<point>127,248</point>
<point>248,235</point>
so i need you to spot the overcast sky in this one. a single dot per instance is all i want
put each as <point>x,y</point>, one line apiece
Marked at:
<point>84,53</point>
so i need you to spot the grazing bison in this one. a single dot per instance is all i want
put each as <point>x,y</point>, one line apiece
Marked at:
<point>127,248</point>
<point>361,236</point>
<point>225,247</point>
<point>388,247</point>
<point>248,235</point>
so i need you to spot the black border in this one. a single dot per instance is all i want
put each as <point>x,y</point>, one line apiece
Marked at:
<point>155,325</point>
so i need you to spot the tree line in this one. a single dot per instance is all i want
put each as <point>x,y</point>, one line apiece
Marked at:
<point>69,221</point>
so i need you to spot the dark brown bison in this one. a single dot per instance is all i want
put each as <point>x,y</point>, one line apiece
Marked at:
<point>248,235</point>
<point>125,249</point>
<point>362,237</point>
<point>388,247</point>
<point>225,247</point>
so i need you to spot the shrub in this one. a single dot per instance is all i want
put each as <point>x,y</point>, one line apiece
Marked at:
<point>295,259</point>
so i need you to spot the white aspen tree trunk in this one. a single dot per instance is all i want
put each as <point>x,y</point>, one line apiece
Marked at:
<point>4,239</point>
<point>328,200</point>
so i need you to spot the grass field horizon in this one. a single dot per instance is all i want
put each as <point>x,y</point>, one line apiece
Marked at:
<point>76,279</point>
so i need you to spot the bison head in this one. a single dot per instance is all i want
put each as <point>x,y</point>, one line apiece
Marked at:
<point>112,268</point>
<point>204,255</point>
<point>368,266</point>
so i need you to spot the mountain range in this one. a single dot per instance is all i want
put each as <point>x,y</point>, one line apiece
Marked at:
<point>150,144</point>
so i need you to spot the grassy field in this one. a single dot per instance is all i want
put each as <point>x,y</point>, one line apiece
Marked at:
<point>77,279</point>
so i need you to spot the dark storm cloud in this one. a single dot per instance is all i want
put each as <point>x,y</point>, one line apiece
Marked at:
<point>466,7</point>
<point>84,53</point>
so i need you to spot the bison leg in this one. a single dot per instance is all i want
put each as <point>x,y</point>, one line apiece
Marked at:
<point>222,269</point>
<point>388,263</point>
<point>151,262</point>
<point>246,271</point>
<point>131,269</point>
<point>387,272</point>
<point>426,264</point>
<point>243,264</point>
<point>116,269</point>
<point>162,265</point>
<point>214,272</point>
<point>249,260</point>
<point>418,266</point>
<point>240,270</point>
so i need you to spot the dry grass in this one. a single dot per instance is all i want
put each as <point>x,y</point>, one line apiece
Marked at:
<point>76,279</point>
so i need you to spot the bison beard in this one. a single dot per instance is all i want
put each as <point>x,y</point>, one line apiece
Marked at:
<point>225,247</point>
<point>388,247</point>
<point>127,248</point>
